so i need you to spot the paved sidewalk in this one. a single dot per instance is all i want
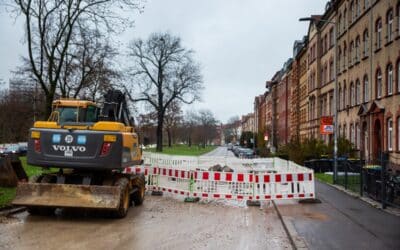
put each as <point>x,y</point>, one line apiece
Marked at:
<point>342,221</point>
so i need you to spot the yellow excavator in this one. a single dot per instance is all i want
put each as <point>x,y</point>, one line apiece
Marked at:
<point>90,146</point>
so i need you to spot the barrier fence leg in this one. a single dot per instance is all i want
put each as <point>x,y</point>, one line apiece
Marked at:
<point>156,190</point>
<point>253,202</point>
<point>190,198</point>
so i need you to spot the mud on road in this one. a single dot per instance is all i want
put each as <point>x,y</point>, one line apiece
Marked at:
<point>160,223</point>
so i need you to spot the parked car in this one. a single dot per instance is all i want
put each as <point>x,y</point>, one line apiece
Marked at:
<point>8,149</point>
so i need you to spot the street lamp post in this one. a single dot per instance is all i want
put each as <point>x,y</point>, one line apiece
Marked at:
<point>335,95</point>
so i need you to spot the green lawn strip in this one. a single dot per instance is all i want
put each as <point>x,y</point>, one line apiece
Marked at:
<point>184,150</point>
<point>326,178</point>
<point>353,181</point>
<point>8,194</point>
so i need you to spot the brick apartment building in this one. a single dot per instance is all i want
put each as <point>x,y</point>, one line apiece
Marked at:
<point>366,52</point>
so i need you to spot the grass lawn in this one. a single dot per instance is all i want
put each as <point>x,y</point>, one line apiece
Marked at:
<point>194,150</point>
<point>353,181</point>
<point>8,194</point>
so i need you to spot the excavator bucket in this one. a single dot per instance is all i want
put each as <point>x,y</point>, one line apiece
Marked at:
<point>67,196</point>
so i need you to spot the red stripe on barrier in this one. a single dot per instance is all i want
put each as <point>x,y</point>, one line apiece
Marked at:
<point>228,177</point>
<point>279,196</point>
<point>290,195</point>
<point>205,175</point>
<point>195,175</point>
<point>268,197</point>
<point>301,195</point>
<point>169,190</point>
<point>266,178</point>
<point>183,174</point>
<point>310,177</point>
<point>240,177</point>
<point>176,173</point>
<point>311,195</point>
<point>300,177</point>
<point>169,172</point>
<point>128,170</point>
<point>251,178</point>
<point>250,197</point>
<point>289,177</point>
<point>204,195</point>
<point>240,197</point>
<point>194,194</point>
<point>228,196</point>
<point>216,195</point>
<point>154,170</point>
<point>217,176</point>
<point>146,171</point>
<point>277,178</point>
<point>164,189</point>
<point>257,197</point>
<point>257,178</point>
<point>175,191</point>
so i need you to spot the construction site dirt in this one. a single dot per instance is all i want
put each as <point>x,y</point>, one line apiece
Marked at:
<point>160,223</point>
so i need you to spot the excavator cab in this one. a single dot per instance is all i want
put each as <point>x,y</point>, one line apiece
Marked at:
<point>74,111</point>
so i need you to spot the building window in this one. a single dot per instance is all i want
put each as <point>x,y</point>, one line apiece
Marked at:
<point>366,4</point>
<point>340,98</point>
<point>351,53</point>
<point>344,55</point>
<point>339,59</point>
<point>345,19</point>
<point>366,88</point>
<point>398,133</point>
<point>339,26</point>
<point>378,30</point>
<point>357,92</point>
<point>352,94</point>
<point>331,71</point>
<point>378,84</point>
<point>389,79</point>
<point>352,134</point>
<point>331,39</point>
<point>389,18</point>
<point>390,134</point>
<point>344,96</point>
<point>358,136</point>
<point>366,42</point>
<point>357,49</point>
<point>358,10</point>
<point>352,12</point>
<point>398,19</point>
<point>345,131</point>
<point>398,76</point>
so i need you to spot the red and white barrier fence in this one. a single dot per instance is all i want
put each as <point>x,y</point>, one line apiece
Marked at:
<point>281,180</point>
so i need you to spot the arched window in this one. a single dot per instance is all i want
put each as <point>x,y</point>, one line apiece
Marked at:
<point>378,84</point>
<point>390,134</point>
<point>358,136</point>
<point>352,94</point>
<point>345,19</point>
<point>366,4</point>
<point>398,133</point>
<point>340,97</point>
<point>331,70</point>
<point>352,134</point>
<point>339,29</point>
<point>378,33</point>
<point>344,95</point>
<point>389,79</point>
<point>339,59</point>
<point>358,10</point>
<point>351,53</point>
<point>322,76</point>
<point>389,20</point>
<point>352,12</point>
<point>398,76</point>
<point>345,131</point>
<point>358,87</point>
<point>398,19</point>
<point>366,88</point>
<point>366,42</point>
<point>344,55</point>
<point>357,56</point>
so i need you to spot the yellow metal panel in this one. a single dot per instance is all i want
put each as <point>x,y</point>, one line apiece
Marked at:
<point>45,124</point>
<point>73,103</point>
<point>110,138</point>
<point>109,126</point>
<point>35,135</point>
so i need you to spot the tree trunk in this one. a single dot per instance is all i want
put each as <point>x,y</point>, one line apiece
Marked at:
<point>169,137</point>
<point>160,132</point>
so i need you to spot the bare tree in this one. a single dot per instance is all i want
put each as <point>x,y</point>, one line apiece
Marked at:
<point>163,71</point>
<point>231,130</point>
<point>207,126</point>
<point>173,116</point>
<point>51,25</point>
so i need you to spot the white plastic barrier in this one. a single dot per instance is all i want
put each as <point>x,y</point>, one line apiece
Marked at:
<point>252,179</point>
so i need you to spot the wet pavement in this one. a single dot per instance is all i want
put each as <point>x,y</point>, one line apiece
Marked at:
<point>160,223</point>
<point>342,222</point>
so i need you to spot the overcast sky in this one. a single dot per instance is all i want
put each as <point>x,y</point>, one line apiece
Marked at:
<point>240,44</point>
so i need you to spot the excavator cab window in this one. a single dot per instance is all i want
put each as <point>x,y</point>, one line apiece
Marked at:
<point>76,114</point>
